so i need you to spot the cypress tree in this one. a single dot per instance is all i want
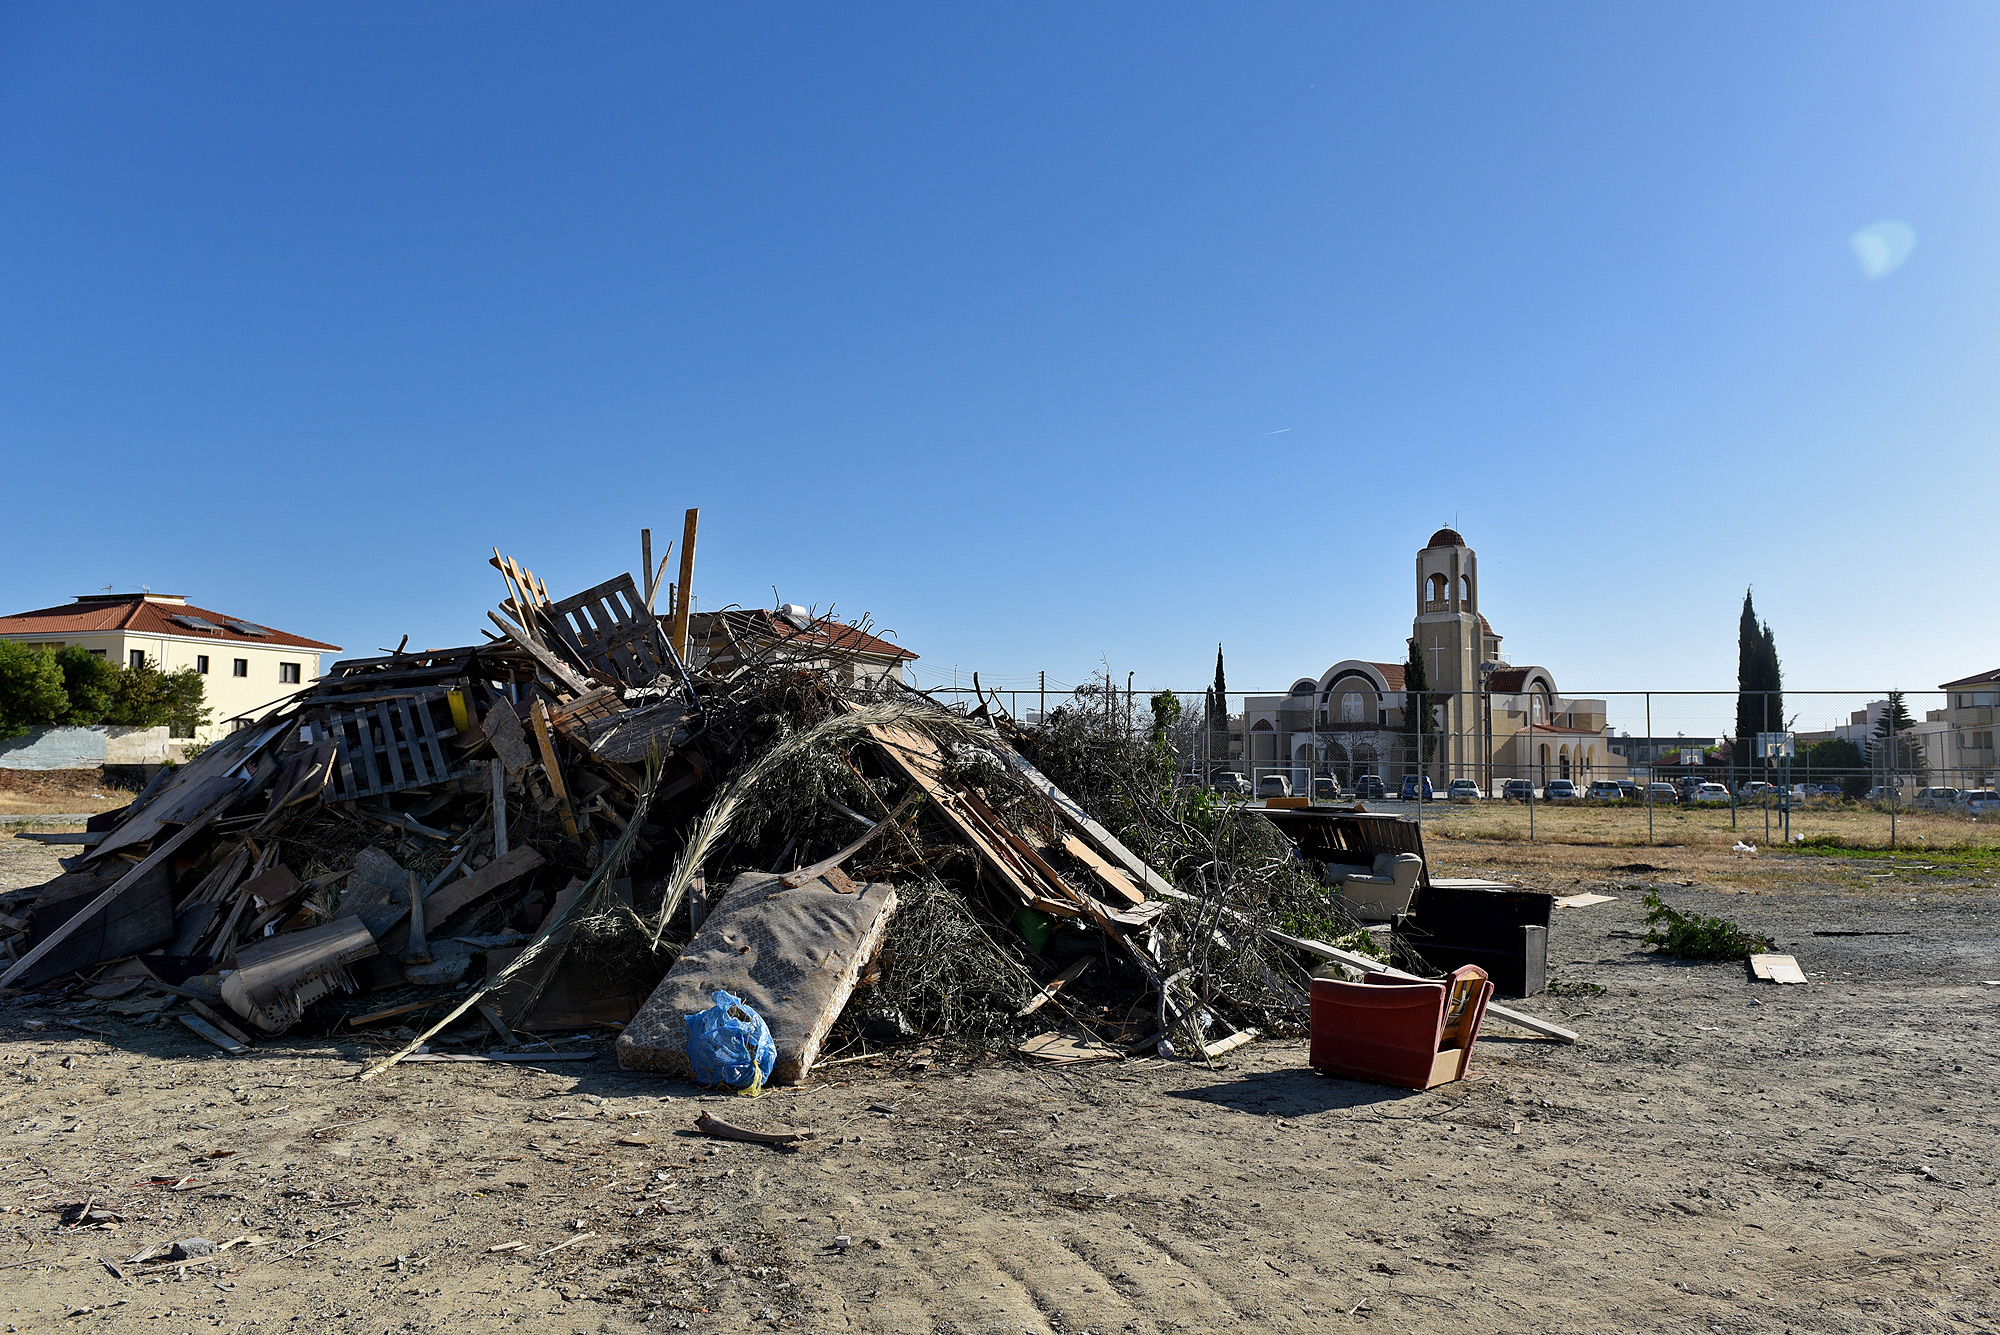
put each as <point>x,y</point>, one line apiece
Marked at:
<point>1219,702</point>
<point>1418,704</point>
<point>1760,706</point>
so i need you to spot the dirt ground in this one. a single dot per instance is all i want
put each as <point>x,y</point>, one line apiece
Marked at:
<point>37,792</point>
<point>1714,1154</point>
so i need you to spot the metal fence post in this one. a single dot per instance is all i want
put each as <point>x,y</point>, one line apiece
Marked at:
<point>1649,769</point>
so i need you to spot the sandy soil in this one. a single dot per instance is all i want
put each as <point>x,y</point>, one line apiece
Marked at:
<point>1715,1154</point>
<point>35,792</point>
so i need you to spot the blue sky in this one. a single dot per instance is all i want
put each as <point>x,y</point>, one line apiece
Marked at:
<point>1049,336</point>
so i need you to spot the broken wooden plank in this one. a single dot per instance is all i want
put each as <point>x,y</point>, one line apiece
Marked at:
<point>449,899</point>
<point>552,768</point>
<point>549,663</point>
<point>1054,985</point>
<point>1104,841</point>
<point>1110,877</point>
<point>1068,1049</point>
<point>214,1035</point>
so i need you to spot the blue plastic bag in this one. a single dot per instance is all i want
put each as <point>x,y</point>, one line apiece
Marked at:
<point>729,1044</point>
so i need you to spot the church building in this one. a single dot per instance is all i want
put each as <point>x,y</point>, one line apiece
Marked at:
<point>1493,721</point>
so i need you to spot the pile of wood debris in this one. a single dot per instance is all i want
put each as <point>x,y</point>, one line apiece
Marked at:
<point>520,836</point>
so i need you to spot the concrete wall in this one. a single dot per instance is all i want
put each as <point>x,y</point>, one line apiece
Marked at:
<point>84,748</point>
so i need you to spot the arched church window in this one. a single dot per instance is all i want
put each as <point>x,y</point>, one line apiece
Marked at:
<point>1465,589</point>
<point>1535,711</point>
<point>1350,707</point>
<point>1438,586</point>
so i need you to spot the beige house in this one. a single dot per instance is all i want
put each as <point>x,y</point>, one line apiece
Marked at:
<point>1495,721</point>
<point>1972,708</point>
<point>245,667</point>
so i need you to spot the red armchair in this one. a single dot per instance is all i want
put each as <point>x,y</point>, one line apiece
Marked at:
<point>1399,1031</point>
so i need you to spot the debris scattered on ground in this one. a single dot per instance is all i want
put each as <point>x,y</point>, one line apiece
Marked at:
<point>604,814</point>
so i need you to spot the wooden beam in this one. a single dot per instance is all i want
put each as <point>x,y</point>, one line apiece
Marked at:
<point>680,631</point>
<point>551,767</point>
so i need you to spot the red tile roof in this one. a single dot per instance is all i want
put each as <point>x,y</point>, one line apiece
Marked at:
<point>1507,681</point>
<point>761,624</point>
<point>1392,673</point>
<point>1982,679</point>
<point>139,614</point>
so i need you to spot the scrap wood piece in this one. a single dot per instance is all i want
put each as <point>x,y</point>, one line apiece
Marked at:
<point>721,1130</point>
<point>793,880</point>
<point>1054,986</point>
<point>142,918</point>
<point>516,1057</point>
<point>1068,1049</point>
<point>208,1013</point>
<point>157,858</point>
<point>377,890</point>
<point>303,776</point>
<point>1113,879</point>
<point>214,1035</point>
<point>1776,968</point>
<point>1102,839</point>
<point>549,663</point>
<point>1583,901</point>
<point>503,732</point>
<point>278,977</point>
<point>552,768</point>
<point>449,899</point>
<point>388,743</point>
<point>792,955</point>
<point>916,757</point>
<point>1229,1044</point>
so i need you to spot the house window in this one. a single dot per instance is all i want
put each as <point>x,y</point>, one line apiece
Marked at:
<point>288,673</point>
<point>239,667</point>
<point>201,664</point>
<point>97,653</point>
<point>137,657</point>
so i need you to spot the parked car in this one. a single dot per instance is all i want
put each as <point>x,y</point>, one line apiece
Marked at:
<point>1979,801</point>
<point>1756,788</point>
<point>1517,790</point>
<point>1662,791</point>
<point>1409,789</point>
<point>1630,788</point>
<point>1231,782</point>
<point>1712,792</point>
<point>1463,790</point>
<point>1936,798</point>
<point>1604,790</point>
<point>1560,790</point>
<point>1371,785</point>
<point>1325,788</point>
<point>1274,785</point>
<point>1826,790</point>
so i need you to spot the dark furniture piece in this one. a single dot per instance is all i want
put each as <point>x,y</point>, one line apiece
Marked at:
<point>1505,932</point>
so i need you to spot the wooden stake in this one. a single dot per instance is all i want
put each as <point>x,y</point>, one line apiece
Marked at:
<point>553,770</point>
<point>680,635</point>
<point>499,772</point>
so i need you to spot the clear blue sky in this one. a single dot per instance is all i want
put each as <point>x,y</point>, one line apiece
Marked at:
<point>1048,336</point>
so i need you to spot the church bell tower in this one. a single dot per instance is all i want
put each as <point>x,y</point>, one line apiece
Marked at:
<point>1447,630</point>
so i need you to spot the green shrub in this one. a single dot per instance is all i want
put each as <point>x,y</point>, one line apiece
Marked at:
<point>1690,936</point>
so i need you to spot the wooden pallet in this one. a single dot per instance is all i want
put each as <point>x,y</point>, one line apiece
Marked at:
<point>610,629</point>
<point>389,744</point>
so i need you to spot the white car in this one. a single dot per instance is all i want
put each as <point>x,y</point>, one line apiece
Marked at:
<point>1934,799</point>
<point>1463,790</point>
<point>1711,792</point>
<point>1979,801</point>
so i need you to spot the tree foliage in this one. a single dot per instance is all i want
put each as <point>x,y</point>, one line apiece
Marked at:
<point>1839,759</point>
<point>1218,697</point>
<point>1908,747</point>
<point>1760,704</point>
<point>1421,707</point>
<point>43,688</point>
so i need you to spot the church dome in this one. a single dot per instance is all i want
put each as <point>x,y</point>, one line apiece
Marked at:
<point>1445,537</point>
